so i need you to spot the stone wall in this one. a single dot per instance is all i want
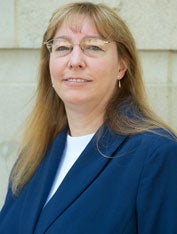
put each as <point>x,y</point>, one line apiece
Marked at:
<point>153,24</point>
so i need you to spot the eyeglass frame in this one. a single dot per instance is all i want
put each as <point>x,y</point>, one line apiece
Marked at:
<point>49,43</point>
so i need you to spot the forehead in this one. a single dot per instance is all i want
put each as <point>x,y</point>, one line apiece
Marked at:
<point>82,25</point>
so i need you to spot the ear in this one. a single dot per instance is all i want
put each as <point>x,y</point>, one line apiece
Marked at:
<point>122,70</point>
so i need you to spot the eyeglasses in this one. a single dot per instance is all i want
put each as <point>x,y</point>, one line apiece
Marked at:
<point>90,46</point>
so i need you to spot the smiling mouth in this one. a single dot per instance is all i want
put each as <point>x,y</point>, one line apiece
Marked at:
<point>77,80</point>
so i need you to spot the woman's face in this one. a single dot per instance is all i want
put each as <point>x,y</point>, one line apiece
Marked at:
<point>77,77</point>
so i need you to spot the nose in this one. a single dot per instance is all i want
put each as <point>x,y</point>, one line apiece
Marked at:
<point>76,59</point>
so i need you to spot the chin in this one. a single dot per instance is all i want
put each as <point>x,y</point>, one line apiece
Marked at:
<point>75,101</point>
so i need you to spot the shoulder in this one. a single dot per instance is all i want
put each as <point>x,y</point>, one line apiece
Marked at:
<point>158,184</point>
<point>145,143</point>
<point>158,150</point>
<point>156,139</point>
<point>159,145</point>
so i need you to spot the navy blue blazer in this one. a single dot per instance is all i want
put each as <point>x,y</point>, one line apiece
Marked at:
<point>123,185</point>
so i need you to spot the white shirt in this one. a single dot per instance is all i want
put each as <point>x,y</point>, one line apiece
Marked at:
<point>73,149</point>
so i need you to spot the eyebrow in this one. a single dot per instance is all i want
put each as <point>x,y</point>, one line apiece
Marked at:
<point>85,37</point>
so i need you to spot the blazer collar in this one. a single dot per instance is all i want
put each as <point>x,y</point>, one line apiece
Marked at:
<point>91,162</point>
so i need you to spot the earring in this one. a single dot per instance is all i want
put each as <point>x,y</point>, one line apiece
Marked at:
<point>119,84</point>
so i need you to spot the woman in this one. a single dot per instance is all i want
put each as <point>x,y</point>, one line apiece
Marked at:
<point>94,158</point>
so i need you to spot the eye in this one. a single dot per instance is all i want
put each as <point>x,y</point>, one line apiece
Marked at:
<point>62,48</point>
<point>93,48</point>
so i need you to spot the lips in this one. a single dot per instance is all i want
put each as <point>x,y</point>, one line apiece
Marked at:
<point>77,80</point>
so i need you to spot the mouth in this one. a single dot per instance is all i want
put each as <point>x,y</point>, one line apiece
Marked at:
<point>77,80</point>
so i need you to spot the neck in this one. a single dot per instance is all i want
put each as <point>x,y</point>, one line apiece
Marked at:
<point>84,121</point>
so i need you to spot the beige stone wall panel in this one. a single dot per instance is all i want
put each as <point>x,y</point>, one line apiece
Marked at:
<point>7,23</point>
<point>18,66</point>
<point>15,102</point>
<point>159,100</point>
<point>153,22</point>
<point>155,66</point>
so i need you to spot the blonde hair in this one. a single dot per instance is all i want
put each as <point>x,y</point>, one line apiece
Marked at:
<point>127,111</point>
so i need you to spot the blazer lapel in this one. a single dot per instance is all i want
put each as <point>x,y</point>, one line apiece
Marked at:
<point>89,165</point>
<point>36,191</point>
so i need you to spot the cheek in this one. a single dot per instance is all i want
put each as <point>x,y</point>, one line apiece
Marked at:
<point>55,69</point>
<point>51,68</point>
<point>108,71</point>
<point>110,63</point>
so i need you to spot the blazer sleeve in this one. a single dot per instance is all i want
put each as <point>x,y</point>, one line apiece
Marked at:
<point>157,194</point>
